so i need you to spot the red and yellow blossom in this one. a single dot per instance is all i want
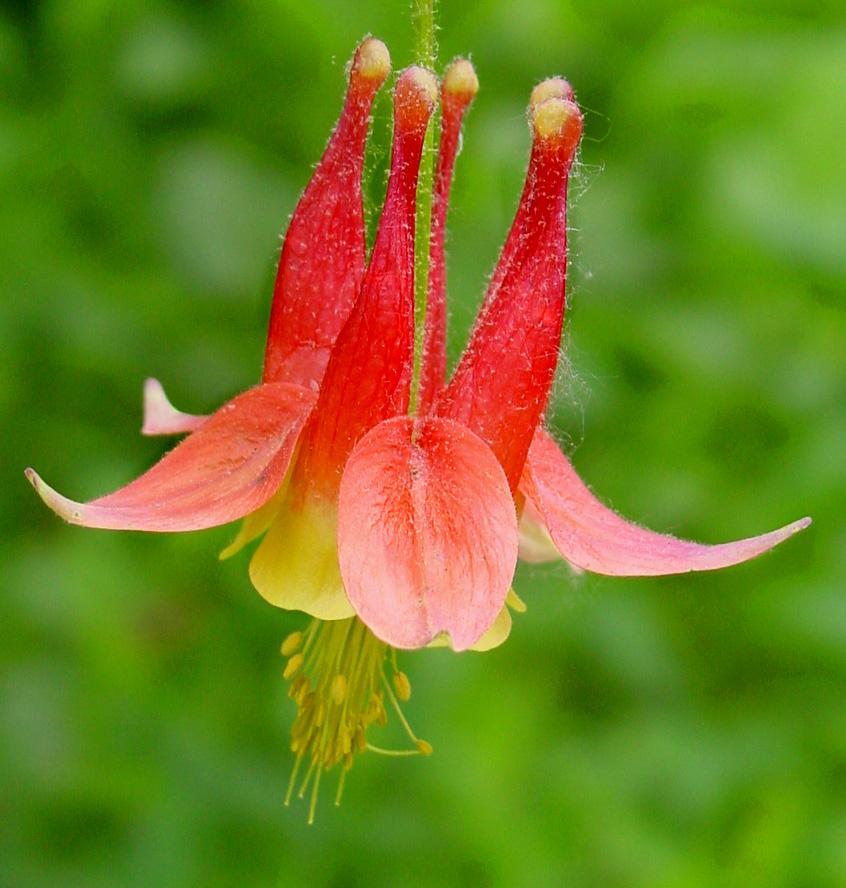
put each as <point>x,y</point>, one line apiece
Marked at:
<point>396,529</point>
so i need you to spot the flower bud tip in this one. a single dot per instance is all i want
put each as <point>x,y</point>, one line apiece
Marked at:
<point>460,80</point>
<point>372,60</point>
<point>550,117</point>
<point>423,81</point>
<point>551,88</point>
<point>415,95</point>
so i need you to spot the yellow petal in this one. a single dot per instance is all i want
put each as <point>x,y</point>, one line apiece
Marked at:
<point>536,546</point>
<point>515,602</point>
<point>296,565</point>
<point>255,524</point>
<point>494,637</point>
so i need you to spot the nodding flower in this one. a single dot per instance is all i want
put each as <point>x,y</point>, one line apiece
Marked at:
<point>392,528</point>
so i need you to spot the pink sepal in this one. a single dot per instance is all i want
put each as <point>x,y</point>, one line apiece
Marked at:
<point>591,536</point>
<point>161,417</point>
<point>229,467</point>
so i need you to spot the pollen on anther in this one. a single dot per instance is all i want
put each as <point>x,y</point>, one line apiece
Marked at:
<point>293,666</point>
<point>291,644</point>
<point>402,686</point>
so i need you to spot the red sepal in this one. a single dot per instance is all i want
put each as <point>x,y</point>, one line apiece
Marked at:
<point>501,385</point>
<point>323,256</point>
<point>369,372</point>
<point>458,90</point>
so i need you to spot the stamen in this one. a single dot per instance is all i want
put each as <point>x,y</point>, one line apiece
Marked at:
<point>341,781</point>
<point>337,680</point>
<point>339,689</point>
<point>313,804</point>
<point>402,686</point>
<point>291,644</point>
<point>398,709</point>
<point>293,779</point>
<point>293,666</point>
<point>396,753</point>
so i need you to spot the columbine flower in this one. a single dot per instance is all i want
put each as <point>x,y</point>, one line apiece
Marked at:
<point>395,530</point>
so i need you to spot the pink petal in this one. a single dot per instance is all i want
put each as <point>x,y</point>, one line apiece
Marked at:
<point>593,537</point>
<point>161,417</point>
<point>427,533</point>
<point>231,466</point>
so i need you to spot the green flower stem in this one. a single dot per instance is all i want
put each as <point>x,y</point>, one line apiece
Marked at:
<point>423,14</point>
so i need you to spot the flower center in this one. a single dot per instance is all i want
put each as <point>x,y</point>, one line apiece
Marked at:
<point>336,671</point>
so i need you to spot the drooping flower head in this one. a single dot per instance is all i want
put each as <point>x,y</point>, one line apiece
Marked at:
<point>396,529</point>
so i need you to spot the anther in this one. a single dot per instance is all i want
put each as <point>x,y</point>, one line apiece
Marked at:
<point>291,644</point>
<point>424,747</point>
<point>293,666</point>
<point>339,689</point>
<point>402,686</point>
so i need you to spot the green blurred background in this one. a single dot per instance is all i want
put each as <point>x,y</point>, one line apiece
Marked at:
<point>685,731</point>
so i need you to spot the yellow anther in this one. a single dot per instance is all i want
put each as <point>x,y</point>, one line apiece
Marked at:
<point>460,79</point>
<point>550,117</point>
<point>424,747</point>
<point>339,689</point>
<point>293,666</point>
<point>372,60</point>
<point>552,88</point>
<point>291,644</point>
<point>299,688</point>
<point>360,740</point>
<point>402,686</point>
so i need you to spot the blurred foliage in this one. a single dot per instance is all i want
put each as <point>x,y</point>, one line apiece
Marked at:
<point>686,731</point>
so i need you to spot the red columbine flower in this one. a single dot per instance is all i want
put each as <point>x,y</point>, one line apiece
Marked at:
<point>395,530</point>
